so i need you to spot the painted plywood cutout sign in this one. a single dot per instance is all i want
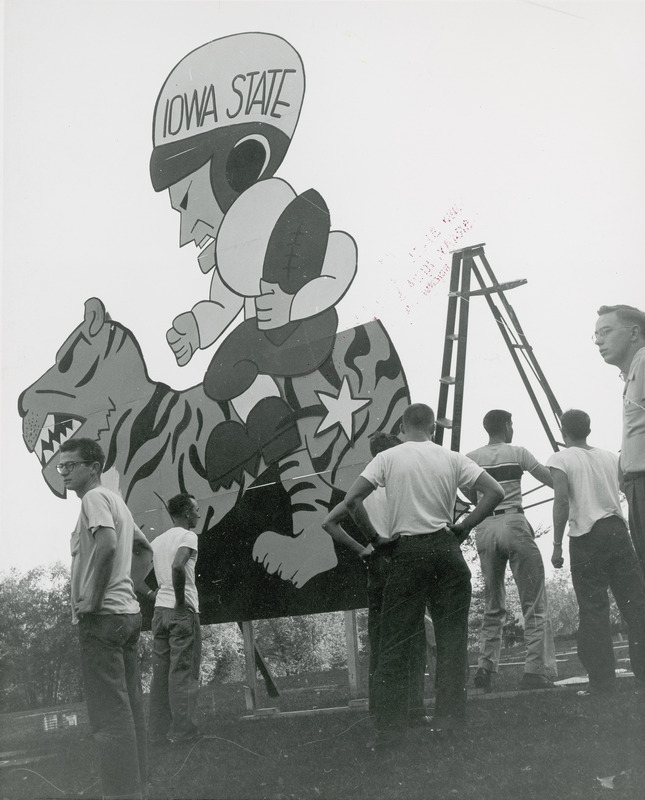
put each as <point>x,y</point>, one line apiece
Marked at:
<point>278,429</point>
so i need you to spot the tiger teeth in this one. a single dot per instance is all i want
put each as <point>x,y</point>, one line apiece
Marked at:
<point>53,433</point>
<point>205,242</point>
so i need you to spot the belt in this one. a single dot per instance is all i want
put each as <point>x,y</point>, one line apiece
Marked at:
<point>633,476</point>
<point>515,510</point>
<point>419,535</point>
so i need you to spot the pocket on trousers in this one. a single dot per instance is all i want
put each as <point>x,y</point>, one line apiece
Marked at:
<point>113,630</point>
<point>159,627</point>
<point>181,626</point>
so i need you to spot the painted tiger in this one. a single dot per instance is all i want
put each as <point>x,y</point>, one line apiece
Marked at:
<point>262,536</point>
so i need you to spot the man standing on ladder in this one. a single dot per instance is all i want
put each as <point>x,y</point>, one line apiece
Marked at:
<point>507,537</point>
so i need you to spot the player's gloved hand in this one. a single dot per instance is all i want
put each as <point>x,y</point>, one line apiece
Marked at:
<point>183,337</point>
<point>273,306</point>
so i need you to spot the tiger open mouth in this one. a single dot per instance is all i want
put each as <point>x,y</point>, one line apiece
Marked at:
<point>206,257</point>
<point>56,429</point>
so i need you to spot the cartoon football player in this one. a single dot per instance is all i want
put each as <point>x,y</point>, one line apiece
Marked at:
<point>223,122</point>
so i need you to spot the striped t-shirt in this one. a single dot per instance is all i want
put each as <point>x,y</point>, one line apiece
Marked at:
<point>506,463</point>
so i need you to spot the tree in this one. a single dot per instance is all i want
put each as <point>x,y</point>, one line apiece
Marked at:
<point>300,644</point>
<point>563,606</point>
<point>222,653</point>
<point>38,645</point>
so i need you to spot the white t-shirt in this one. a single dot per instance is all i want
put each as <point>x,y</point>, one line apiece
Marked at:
<point>376,507</point>
<point>101,508</point>
<point>421,481</point>
<point>164,549</point>
<point>593,486</point>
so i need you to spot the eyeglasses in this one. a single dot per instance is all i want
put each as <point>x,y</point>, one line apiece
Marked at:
<point>604,332</point>
<point>68,466</point>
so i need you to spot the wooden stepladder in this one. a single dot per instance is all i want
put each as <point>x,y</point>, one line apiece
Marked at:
<point>453,369</point>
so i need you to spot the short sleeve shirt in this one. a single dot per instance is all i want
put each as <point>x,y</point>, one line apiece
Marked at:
<point>421,481</point>
<point>164,549</point>
<point>632,456</point>
<point>592,476</point>
<point>102,508</point>
<point>506,463</point>
<point>376,507</point>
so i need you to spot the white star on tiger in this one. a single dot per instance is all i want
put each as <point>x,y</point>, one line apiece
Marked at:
<point>341,409</point>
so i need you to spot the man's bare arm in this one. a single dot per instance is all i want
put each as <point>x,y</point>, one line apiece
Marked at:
<point>542,474</point>
<point>331,525</point>
<point>179,576</point>
<point>141,563</point>
<point>492,495</point>
<point>104,556</point>
<point>361,489</point>
<point>560,514</point>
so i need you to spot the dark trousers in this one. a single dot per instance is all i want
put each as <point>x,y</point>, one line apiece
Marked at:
<point>176,657</point>
<point>112,687</point>
<point>600,560</point>
<point>634,486</point>
<point>378,567</point>
<point>427,569</point>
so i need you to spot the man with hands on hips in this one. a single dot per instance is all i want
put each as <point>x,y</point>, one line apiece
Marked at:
<point>421,480</point>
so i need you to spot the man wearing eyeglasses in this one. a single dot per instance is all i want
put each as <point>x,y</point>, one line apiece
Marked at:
<point>105,608</point>
<point>620,337</point>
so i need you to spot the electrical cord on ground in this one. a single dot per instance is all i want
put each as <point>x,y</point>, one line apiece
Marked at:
<point>53,785</point>
<point>259,755</point>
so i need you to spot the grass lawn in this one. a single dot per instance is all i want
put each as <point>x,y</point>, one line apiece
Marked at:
<point>550,745</point>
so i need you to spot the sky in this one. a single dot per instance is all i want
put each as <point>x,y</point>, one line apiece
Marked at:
<point>515,124</point>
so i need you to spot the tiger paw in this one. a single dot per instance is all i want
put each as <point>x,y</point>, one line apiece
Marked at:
<point>295,558</point>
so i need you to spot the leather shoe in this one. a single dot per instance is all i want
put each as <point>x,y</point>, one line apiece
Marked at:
<point>482,679</point>
<point>532,681</point>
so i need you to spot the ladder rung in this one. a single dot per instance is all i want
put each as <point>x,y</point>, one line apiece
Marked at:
<point>498,287</point>
<point>444,423</point>
<point>470,247</point>
<point>447,379</point>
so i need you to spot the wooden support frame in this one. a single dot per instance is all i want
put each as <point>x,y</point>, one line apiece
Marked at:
<point>252,665</point>
<point>251,686</point>
<point>351,641</point>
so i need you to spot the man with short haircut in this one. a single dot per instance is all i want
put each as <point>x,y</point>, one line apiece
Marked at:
<point>506,537</point>
<point>421,480</point>
<point>585,481</point>
<point>109,621</point>
<point>175,626</point>
<point>620,336</point>
<point>378,564</point>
